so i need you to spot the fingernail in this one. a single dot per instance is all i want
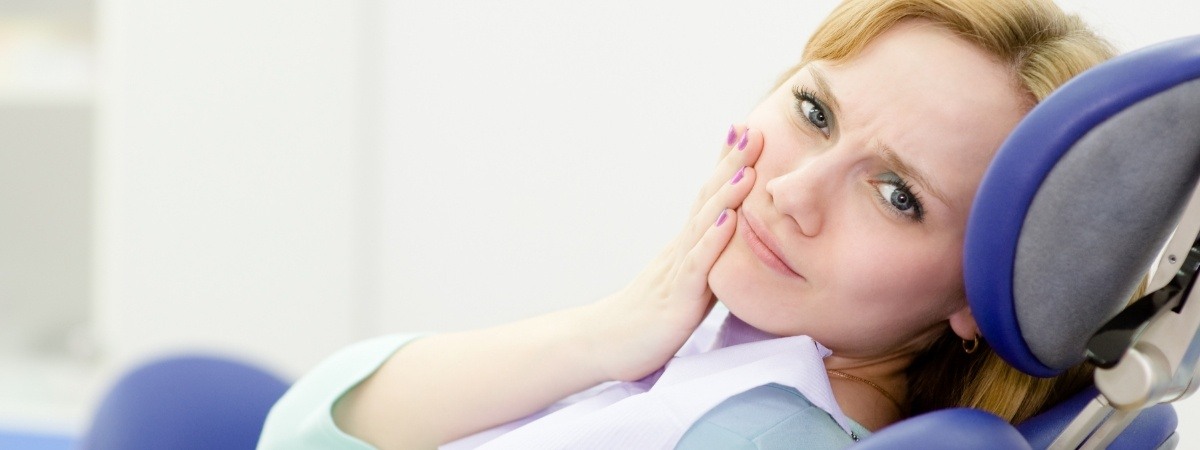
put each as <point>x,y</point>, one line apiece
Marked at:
<point>738,176</point>
<point>745,140</point>
<point>732,136</point>
<point>721,218</point>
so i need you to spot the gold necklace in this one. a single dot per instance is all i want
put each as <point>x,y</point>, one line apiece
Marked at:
<point>868,383</point>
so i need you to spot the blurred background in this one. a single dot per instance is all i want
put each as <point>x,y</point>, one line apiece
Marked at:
<point>272,180</point>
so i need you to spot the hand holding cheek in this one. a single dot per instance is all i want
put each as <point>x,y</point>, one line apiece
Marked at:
<point>636,330</point>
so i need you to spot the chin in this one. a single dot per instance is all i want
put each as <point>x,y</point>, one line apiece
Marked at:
<point>753,300</point>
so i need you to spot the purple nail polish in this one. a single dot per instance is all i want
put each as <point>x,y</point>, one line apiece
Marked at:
<point>732,136</point>
<point>745,140</point>
<point>721,219</point>
<point>738,176</point>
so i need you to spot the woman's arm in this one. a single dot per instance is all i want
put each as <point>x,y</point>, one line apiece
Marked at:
<point>445,387</point>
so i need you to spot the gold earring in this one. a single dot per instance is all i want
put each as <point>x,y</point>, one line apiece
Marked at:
<point>972,347</point>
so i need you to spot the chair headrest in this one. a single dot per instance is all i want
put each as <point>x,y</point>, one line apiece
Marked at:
<point>1078,201</point>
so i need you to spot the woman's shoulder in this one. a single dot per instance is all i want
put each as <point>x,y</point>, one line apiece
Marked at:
<point>768,416</point>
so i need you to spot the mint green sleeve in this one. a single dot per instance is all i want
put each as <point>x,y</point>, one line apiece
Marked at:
<point>303,418</point>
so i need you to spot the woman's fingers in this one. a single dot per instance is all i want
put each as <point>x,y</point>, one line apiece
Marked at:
<point>691,279</point>
<point>743,146</point>
<point>731,139</point>
<point>727,196</point>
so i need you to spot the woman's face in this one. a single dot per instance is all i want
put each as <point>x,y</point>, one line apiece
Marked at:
<point>853,231</point>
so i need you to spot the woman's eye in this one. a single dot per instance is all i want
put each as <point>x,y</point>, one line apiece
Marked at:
<point>813,110</point>
<point>899,199</point>
<point>895,194</point>
<point>815,115</point>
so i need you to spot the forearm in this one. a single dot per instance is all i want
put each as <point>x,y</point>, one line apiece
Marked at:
<point>444,387</point>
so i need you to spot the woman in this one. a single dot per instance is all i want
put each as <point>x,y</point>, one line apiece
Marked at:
<point>837,213</point>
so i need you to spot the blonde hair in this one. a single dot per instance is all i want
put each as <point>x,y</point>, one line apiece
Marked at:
<point>1045,47</point>
<point>945,376</point>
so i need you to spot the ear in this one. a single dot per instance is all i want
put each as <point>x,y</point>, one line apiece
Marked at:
<point>963,323</point>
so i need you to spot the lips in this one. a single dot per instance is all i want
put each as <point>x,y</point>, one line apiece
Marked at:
<point>763,245</point>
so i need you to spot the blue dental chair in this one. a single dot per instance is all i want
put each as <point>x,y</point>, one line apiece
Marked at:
<point>185,402</point>
<point>1097,185</point>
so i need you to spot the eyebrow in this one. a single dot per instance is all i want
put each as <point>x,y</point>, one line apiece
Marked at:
<point>905,170</point>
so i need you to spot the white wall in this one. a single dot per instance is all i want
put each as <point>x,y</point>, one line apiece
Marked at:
<point>1132,25</point>
<point>537,154</point>
<point>229,167</point>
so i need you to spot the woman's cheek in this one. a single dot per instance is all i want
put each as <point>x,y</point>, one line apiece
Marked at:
<point>722,278</point>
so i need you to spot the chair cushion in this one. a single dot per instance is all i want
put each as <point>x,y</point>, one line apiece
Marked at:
<point>1073,208</point>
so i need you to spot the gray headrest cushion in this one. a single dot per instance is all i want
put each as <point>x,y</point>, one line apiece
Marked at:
<point>1099,219</point>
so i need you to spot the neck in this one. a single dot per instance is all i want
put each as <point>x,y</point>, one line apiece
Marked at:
<point>876,369</point>
<point>863,402</point>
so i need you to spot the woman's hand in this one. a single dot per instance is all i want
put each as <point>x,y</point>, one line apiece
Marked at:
<point>636,330</point>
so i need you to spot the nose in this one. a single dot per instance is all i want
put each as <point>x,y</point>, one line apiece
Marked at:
<point>801,194</point>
